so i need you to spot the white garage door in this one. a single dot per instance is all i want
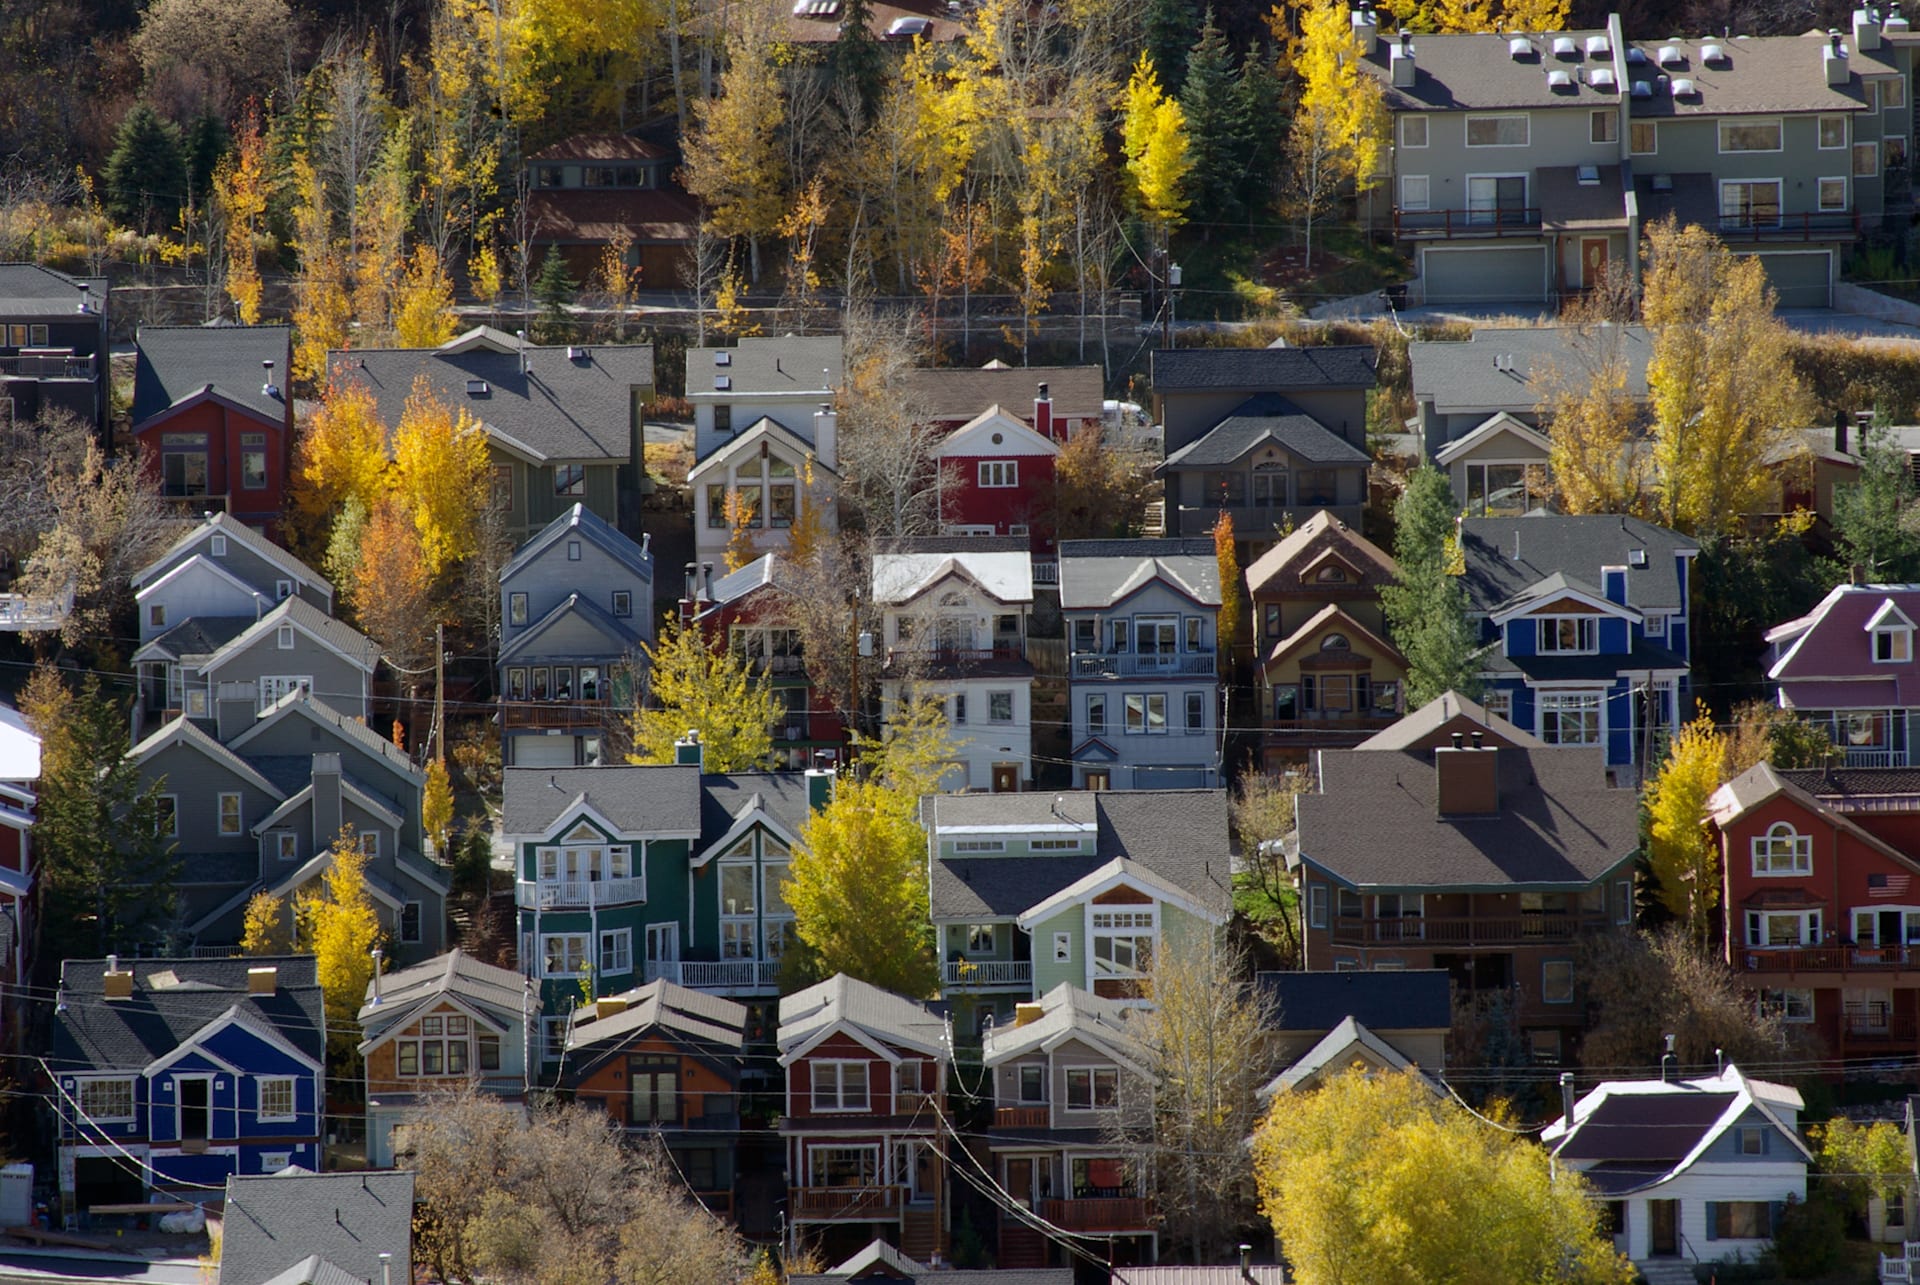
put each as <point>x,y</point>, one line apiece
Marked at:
<point>543,751</point>
<point>1802,278</point>
<point>1485,274</point>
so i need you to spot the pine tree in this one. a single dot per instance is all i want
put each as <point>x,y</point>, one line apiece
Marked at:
<point>1426,608</point>
<point>857,62</point>
<point>1207,98</point>
<point>207,142</point>
<point>1256,105</point>
<point>555,289</point>
<point>1872,520</point>
<point>1167,35</point>
<point>146,175</point>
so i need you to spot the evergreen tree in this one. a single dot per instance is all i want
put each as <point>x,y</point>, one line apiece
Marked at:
<point>1167,35</point>
<point>1256,105</point>
<point>859,68</point>
<point>555,289</point>
<point>146,176</point>
<point>1427,607</point>
<point>207,142</point>
<point>1873,528</point>
<point>1207,98</point>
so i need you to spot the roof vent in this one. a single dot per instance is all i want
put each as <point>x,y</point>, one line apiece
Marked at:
<point>1564,47</point>
<point>1641,89</point>
<point>1895,25</point>
<point>1602,78</point>
<point>578,354</point>
<point>1714,55</point>
<point>1663,182</point>
<point>1588,175</point>
<point>1636,56</point>
<point>1685,88</point>
<point>478,388</point>
<point>724,357</point>
<point>723,383</point>
<point>1599,47</point>
<point>1559,78</point>
<point>1672,56</point>
<point>1519,47</point>
<point>1636,557</point>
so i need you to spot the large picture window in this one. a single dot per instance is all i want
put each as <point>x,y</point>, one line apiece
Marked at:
<point>1122,942</point>
<point>1570,718</point>
<point>1750,203</point>
<point>1575,634</point>
<point>106,1101</point>
<point>1497,131</point>
<point>1739,135</point>
<point>1782,850</point>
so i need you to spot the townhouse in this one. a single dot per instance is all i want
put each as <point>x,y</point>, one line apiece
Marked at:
<point>994,476</point>
<point>1848,667</point>
<point>590,192</point>
<point>53,345</point>
<point>1527,166</point>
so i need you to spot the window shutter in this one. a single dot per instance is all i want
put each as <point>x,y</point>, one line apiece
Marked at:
<point>1713,1221</point>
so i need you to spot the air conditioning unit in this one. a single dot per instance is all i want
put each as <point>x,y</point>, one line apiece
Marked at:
<point>723,358</point>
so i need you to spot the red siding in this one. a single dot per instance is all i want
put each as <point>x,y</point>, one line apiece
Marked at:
<point>839,1048</point>
<point>964,502</point>
<point>763,607</point>
<point>223,426</point>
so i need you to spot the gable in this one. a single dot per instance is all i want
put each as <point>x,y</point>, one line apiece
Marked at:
<point>995,436</point>
<point>1565,607</point>
<point>568,632</point>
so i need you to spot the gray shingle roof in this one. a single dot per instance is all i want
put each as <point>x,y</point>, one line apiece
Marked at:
<point>843,999</point>
<point>274,1221</point>
<point>174,998</point>
<point>344,638</point>
<point>1547,669</point>
<point>199,636</point>
<point>1098,573</point>
<point>1418,1000</point>
<point>304,704</point>
<point>1467,72</point>
<point>1375,823</point>
<point>725,797</point>
<point>1577,547</point>
<point>1267,417</point>
<point>29,290</point>
<point>1262,369</point>
<point>454,973</point>
<point>1066,1009</point>
<point>1760,74</point>
<point>176,362</point>
<point>1462,378</point>
<point>881,1261</point>
<point>720,1024</point>
<point>240,533</point>
<point>765,365</point>
<point>315,1270</point>
<point>562,409</point>
<point>661,799</point>
<point>621,637</point>
<point>961,392</point>
<point>1415,728</point>
<point>582,521</point>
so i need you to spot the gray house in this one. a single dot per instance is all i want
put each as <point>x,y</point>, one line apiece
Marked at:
<point>53,344</point>
<point>562,424</point>
<point>576,605</point>
<point>1269,435</point>
<point>1143,665</point>
<point>222,567</point>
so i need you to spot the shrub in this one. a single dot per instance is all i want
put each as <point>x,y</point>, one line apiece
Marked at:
<point>1809,1238</point>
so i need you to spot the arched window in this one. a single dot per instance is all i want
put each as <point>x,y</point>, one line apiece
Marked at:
<point>1331,575</point>
<point>1335,642</point>
<point>1782,850</point>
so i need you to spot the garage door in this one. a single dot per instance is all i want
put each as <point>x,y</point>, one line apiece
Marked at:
<point>543,751</point>
<point>1801,279</point>
<point>1504,274</point>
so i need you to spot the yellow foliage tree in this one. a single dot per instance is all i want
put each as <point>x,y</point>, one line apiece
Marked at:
<point>267,928</point>
<point>1234,623</point>
<point>742,516</point>
<point>807,536</point>
<point>695,685</point>
<point>423,317</point>
<point>392,589</point>
<point>1684,858</point>
<point>1340,129</point>
<point>240,188</point>
<point>436,806</point>
<point>440,473</point>
<point>1153,138</point>
<point>384,211</point>
<point>858,890</point>
<point>1535,15</point>
<point>342,453</point>
<point>340,927</point>
<point>735,159</point>
<point>1376,1177</point>
<point>1594,456</point>
<point>322,307</point>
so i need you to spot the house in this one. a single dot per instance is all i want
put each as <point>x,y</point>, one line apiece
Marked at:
<point>1328,673</point>
<point>1082,887</point>
<point>221,567</point>
<point>898,24</point>
<point>1445,720</point>
<point>1586,624</point>
<point>1480,403</point>
<point>864,1125</point>
<point>1695,1169</point>
<point>562,424</point>
<point>53,345</point>
<point>1066,1074</point>
<point>214,418</point>
<point>665,1060</point>
<point>1241,1273</point>
<point>446,1024</point>
<point>1063,399</point>
<point>955,615</point>
<point>880,1261</point>
<point>995,478</point>
<point>576,607</point>
<point>627,875</point>
<point>1488,861</point>
<point>19,808</point>
<point>271,1234</point>
<point>1848,666</point>
<point>254,801</point>
<point>175,1074</point>
<point>1268,435</point>
<point>591,192</point>
<point>1143,665</point>
<point>1821,914</point>
<point>752,609</point>
<point>1526,165</point>
<point>763,426</point>
<point>1324,1023</point>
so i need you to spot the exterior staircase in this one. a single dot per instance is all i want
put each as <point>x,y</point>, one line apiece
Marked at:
<point>1666,1271</point>
<point>1021,1247</point>
<point>920,1237</point>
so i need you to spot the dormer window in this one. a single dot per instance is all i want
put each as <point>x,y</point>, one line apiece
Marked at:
<point>1782,851</point>
<point>1892,646</point>
<point>1331,575</point>
<point>1569,635</point>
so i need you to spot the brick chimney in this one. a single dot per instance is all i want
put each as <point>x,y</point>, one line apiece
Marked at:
<point>1467,780</point>
<point>264,980</point>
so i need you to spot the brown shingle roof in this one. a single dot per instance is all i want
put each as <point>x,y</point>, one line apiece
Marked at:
<point>961,392</point>
<point>600,147</point>
<point>1475,72</point>
<point>1760,74</point>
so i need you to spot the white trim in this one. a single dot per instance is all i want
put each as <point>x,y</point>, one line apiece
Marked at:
<point>260,1083</point>
<point>1720,135</point>
<point>1466,129</point>
<point>1111,875</point>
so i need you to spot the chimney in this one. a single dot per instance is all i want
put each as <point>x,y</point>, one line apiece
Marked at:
<point>116,983</point>
<point>1479,741</point>
<point>1401,63</point>
<point>266,387</point>
<point>86,298</point>
<point>826,436</point>
<point>1833,56</point>
<point>1866,30</point>
<point>1459,739</point>
<point>1023,1014</point>
<point>688,752</point>
<point>1366,29</point>
<point>328,813</point>
<point>1566,1097</point>
<point>1840,432</point>
<point>608,1005</point>
<point>234,708</point>
<point>646,545</point>
<point>522,336</point>
<point>1246,1261</point>
<point>706,581</point>
<point>819,785</point>
<point>373,987</point>
<point>264,980</point>
<point>1856,574</point>
<point>1467,781</point>
<point>1043,412</point>
<point>690,598</point>
<point>1895,25</point>
<point>1669,1063</point>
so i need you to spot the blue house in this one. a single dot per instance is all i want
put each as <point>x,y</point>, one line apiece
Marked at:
<point>175,1074</point>
<point>1586,626</point>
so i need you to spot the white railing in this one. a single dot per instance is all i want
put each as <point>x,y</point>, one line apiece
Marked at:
<point>1131,664</point>
<point>1876,758</point>
<point>1047,573</point>
<point>711,974</point>
<point>554,894</point>
<point>988,972</point>
<point>1903,1267</point>
<point>25,615</point>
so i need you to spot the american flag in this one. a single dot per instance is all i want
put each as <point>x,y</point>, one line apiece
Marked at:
<point>1888,885</point>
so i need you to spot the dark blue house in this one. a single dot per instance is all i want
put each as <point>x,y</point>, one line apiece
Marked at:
<point>1586,626</point>
<point>173,1074</point>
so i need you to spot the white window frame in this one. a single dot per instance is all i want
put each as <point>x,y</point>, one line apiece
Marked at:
<point>276,1082</point>
<point>871,1149</point>
<point>1317,905</point>
<point>1408,201</point>
<point>994,699</point>
<point>282,590</point>
<point>978,847</point>
<point>1586,635</point>
<point>101,1081</point>
<point>1893,94</point>
<point>286,845</point>
<point>1820,193</point>
<point>370,844</point>
<point>1757,925</point>
<point>1793,1004</point>
<point>1779,196</point>
<point>1493,211</point>
<point>239,814</point>
<point>620,942</point>
<point>1819,134</point>
<point>218,546</point>
<point>1406,132</point>
<point>1574,701</point>
<point>1623,894</point>
<point>274,687</point>
<point>172,830</point>
<point>1094,1076</point>
<point>1633,148</point>
<point>283,638</point>
<point>516,608</point>
<point>1525,120</point>
<point>840,1069</point>
<point>1900,645</point>
<point>1781,840</point>
<point>586,944</point>
<point>1063,948</point>
<point>1114,924</point>
<point>1749,122</point>
<point>998,474</point>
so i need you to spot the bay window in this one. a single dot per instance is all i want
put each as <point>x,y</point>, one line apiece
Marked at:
<point>1783,927</point>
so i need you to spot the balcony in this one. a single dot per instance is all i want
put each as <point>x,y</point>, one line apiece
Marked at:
<point>567,894</point>
<point>535,715</point>
<point>716,974</point>
<point>1514,221</point>
<point>1258,521</point>
<point>1870,757</point>
<point>1507,930</point>
<point>1789,227</point>
<point>1004,655</point>
<point>1046,573</point>
<point>1827,959</point>
<point>1090,664</point>
<point>981,974</point>
<point>909,1103</point>
<point>47,366</point>
<point>22,614</point>
<point>851,1204</point>
<point>1098,1214</point>
<point>1027,1117</point>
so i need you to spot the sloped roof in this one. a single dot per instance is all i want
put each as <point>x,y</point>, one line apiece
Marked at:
<point>625,639</point>
<point>901,577</point>
<point>1417,999</point>
<point>650,215</point>
<point>1267,417</point>
<point>1499,424</point>
<point>242,534</point>
<point>1760,74</point>
<point>767,569</point>
<point>183,730</point>
<point>272,1222</point>
<point>1477,71</point>
<point>455,973</point>
<point>1279,569</point>
<point>175,363</point>
<point>1176,370</point>
<point>19,747</point>
<point>355,647</point>
<point>585,523</point>
<point>1463,377</point>
<point>197,636</point>
<point>655,799</point>
<point>1763,782</point>
<point>315,1270</point>
<point>1507,556</point>
<point>1099,573</point>
<point>29,290</point>
<point>1831,642</point>
<point>1346,1034</point>
<point>601,147</point>
<point>842,999</point>
<point>304,704</point>
<point>726,798</point>
<point>1066,1011</point>
<point>880,1261</point>
<point>762,432</point>
<point>1331,614</point>
<point>1414,729</point>
<point>661,1005</point>
<point>765,365</point>
<point>961,392</point>
<point>173,1000</point>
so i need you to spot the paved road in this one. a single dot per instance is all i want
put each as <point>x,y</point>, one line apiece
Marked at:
<point>40,1266</point>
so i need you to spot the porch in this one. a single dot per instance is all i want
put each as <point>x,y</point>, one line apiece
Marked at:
<point>716,974</point>
<point>987,974</point>
<point>530,715</point>
<point>1097,1214</point>
<point>846,1204</point>
<point>1468,930</point>
<point>565,894</point>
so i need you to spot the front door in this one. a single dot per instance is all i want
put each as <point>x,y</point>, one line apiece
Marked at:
<point>1006,778</point>
<point>1020,1179</point>
<point>195,1110</point>
<point>1663,1218</point>
<point>1593,260</point>
<point>663,947</point>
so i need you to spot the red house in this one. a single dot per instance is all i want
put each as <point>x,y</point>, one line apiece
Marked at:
<point>996,477</point>
<point>1822,915</point>
<point>214,418</point>
<point>866,1085</point>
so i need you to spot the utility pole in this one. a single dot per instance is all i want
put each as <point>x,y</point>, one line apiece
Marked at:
<point>439,694</point>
